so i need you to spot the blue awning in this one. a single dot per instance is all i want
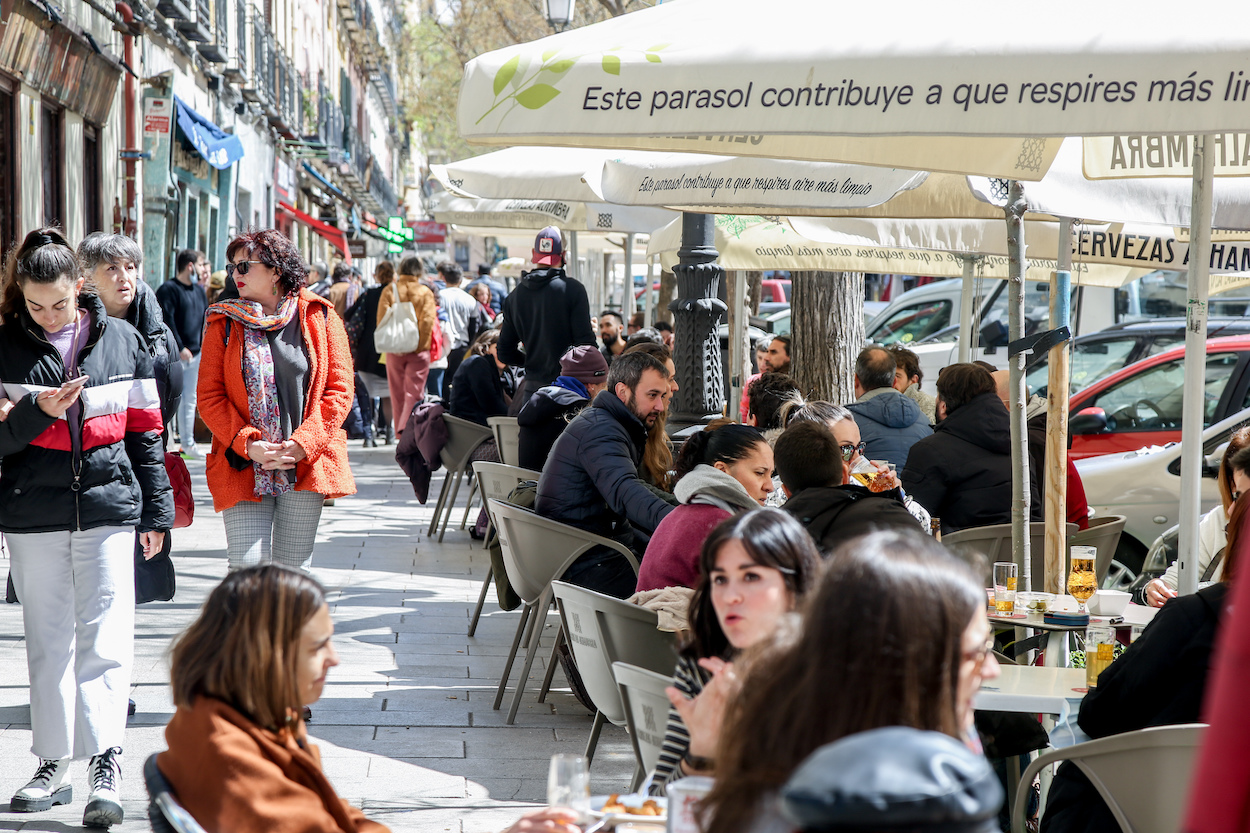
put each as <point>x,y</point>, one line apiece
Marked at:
<point>220,148</point>
<point>325,183</point>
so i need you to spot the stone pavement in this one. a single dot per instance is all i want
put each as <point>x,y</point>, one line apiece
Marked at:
<point>405,725</point>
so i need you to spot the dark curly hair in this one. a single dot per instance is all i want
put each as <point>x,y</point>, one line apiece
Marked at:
<point>275,250</point>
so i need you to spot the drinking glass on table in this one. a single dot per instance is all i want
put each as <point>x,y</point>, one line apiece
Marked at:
<point>568,784</point>
<point>1004,587</point>
<point>1082,581</point>
<point>1099,651</point>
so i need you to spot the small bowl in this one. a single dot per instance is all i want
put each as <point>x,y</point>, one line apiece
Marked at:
<point>1035,602</point>
<point>1109,602</point>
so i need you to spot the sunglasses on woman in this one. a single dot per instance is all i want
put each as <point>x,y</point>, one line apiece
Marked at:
<point>241,267</point>
<point>849,449</point>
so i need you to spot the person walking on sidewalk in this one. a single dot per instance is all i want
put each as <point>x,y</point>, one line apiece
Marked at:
<point>83,470</point>
<point>406,372</point>
<point>465,316</point>
<point>183,304</point>
<point>276,388</point>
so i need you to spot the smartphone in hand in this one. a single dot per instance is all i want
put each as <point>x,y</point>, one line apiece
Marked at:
<point>76,383</point>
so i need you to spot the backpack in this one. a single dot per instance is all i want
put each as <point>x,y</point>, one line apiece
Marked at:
<point>523,495</point>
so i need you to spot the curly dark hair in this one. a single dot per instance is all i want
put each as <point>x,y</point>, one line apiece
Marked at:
<point>275,250</point>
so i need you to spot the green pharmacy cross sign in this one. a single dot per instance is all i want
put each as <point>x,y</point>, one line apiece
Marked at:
<point>396,234</point>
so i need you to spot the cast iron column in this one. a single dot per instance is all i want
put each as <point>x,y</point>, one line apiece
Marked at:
<point>696,312</point>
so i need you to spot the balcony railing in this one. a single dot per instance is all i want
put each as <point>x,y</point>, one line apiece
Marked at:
<point>237,64</point>
<point>199,26</point>
<point>260,55</point>
<point>382,190</point>
<point>217,48</point>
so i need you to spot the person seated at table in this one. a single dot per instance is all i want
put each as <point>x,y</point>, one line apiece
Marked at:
<point>814,472</point>
<point>583,373</point>
<point>477,388</point>
<point>894,634</point>
<point>720,471</point>
<point>655,469</point>
<point>766,397</point>
<point>1211,535</point>
<point>1160,680</point>
<point>753,570</point>
<point>239,759</point>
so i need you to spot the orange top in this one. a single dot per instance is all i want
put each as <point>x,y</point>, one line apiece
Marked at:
<point>232,776</point>
<point>223,405</point>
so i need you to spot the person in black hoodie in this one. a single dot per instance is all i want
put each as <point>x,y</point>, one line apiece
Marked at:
<point>962,473</point>
<point>83,470</point>
<point>583,373</point>
<point>548,313</point>
<point>814,472</point>
<point>477,392</point>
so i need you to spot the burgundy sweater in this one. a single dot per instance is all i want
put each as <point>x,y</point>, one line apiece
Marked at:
<point>672,557</point>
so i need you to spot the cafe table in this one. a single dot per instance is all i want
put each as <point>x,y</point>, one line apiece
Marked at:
<point>1134,616</point>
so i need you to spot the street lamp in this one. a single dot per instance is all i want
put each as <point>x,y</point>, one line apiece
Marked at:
<point>559,13</point>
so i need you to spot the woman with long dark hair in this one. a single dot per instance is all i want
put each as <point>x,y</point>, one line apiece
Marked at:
<point>720,471</point>
<point>754,569</point>
<point>239,757</point>
<point>275,386</point>
<point>894,635</point>
<point>83,471</point>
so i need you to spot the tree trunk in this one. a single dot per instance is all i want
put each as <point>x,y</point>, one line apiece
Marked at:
<point>755,290</point>
<point>668,292</point>
<point>827,328</point>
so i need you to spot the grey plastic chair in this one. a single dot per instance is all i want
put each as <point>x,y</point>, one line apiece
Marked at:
<point>1141,775</point>
<point>463,438</point>
<point>507,437</point>
<point>1104,534</point>
<point>536,552</point>
<point>646,713</point>
<point>602,630</point>
<point>994,541</point>
<point>495,480</point>
<point>165,814</point>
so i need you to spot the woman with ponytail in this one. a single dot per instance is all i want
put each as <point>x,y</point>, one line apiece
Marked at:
<point>720,471</point>
<point>276,384</point>
<point>83,471</point>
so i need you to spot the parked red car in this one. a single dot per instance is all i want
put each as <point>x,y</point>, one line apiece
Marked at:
<point>1140,405</point>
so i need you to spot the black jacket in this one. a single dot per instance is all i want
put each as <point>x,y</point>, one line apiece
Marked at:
<point>962,473</point>
<point>366,356</point>
<point>477,390</point>
<point>145,316</point>
<point>833,515</point>
<point>548,313</point>
<point>183,308</point>
<point>120,471</point>
<point>1159,681</point>
<point>543,419</point>
<point>591,477</point>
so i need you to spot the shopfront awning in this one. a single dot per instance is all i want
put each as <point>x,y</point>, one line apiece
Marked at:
<point>336,236</point>
<point>220,148</point>
<point>327,184</point>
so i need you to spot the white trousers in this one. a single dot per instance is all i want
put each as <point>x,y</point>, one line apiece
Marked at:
<point>186,408</point>
<point>77,591</point>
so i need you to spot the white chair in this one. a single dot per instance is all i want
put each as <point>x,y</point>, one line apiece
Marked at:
<point>507,437</point>
<point>603,630</point>
<point>536,552</point>
<point>463,438</point>
<point>497,481</point>
<point>646,712</point>
<point>1143,776</point>
<point>994,542</point>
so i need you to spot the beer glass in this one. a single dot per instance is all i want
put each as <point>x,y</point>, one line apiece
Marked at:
<point>1004,588</point>
<point>1099,650</point>
<point>568,784</point>
<point>1082,581</point>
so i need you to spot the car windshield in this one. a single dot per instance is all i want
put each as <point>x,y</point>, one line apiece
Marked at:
<point>1151,400</point>
<point>914,322</point>
<point>1091,361</point>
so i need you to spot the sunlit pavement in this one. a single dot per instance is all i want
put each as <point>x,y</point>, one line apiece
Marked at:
<point>405,725</point>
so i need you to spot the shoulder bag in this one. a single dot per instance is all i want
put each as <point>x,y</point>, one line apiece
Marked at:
<point>398,332</point>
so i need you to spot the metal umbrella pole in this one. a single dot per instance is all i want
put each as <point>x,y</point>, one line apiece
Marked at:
<point>967,332</point>
<point>1195,363</point>
<point>1014,211</point>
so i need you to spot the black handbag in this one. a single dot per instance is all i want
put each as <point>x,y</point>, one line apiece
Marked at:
<point>154,579</point>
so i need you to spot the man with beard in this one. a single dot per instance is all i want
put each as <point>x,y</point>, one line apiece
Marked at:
<point>612,334</point>
<point>591,479</point>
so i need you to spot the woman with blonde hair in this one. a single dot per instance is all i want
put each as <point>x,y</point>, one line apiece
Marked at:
<point>239,759</point>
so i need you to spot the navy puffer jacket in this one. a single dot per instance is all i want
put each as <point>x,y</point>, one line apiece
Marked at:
<point>889,424</point>
<point>591,480</point>
<point>118,477</point>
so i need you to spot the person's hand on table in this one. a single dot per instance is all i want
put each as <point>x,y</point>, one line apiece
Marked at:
<point>1157,593</point>
<point>704,714</point>
<point>546,821</point>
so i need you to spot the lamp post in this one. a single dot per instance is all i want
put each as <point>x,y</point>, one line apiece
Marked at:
<point>559,13</point>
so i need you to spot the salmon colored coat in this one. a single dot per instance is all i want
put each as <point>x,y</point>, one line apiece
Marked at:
<point>223,405</point>
<point>232,776</point>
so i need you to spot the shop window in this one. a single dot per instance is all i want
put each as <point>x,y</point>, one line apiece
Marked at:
<point>92,209</point>
<point>52,151</point>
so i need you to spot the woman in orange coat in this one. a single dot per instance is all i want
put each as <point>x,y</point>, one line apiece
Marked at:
<point>275,387</point>
<point>239,759</point>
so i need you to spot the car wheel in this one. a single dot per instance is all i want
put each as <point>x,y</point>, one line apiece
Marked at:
<point>1119,577</point>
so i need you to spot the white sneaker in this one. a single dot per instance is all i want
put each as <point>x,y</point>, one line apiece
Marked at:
<point>192,453</point>
<point>48,788</point>
<point>104,773</point>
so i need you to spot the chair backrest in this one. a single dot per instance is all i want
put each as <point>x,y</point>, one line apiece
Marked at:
<point>602,630</point>
<point>537,550</point>
<point>646,709</point>
<point>507,437</point>
<point>994,542</point>
<point>165,814</point>
<point>463,438</point>
<point>1104,534</point>
<point>1143,776</point>
<point>497,480</point>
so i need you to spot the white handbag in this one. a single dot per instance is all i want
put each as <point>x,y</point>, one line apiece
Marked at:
<point>398,332</point>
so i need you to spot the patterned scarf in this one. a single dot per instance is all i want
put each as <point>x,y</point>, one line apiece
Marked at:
<point>258,376</point>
